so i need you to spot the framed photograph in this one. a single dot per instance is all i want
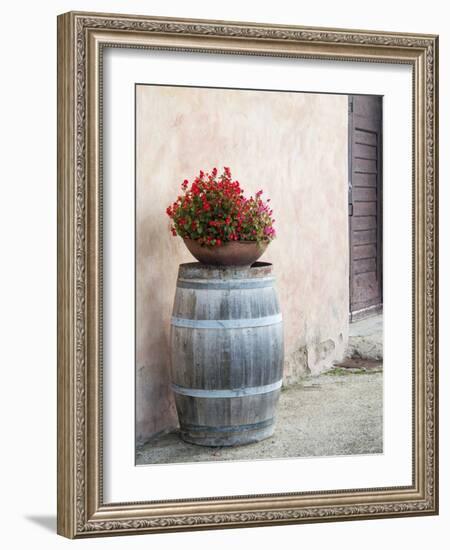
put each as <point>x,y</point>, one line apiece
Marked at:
<point>247,274</point>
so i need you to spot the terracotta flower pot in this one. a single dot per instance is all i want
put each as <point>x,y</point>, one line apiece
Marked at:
<point>231,253</point>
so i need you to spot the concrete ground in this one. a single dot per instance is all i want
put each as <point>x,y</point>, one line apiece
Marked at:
<point>337,413</point>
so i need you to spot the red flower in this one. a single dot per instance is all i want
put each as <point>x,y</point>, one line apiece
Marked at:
<point>214,210</point>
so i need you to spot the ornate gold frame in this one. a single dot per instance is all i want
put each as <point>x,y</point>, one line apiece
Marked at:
<point>81,37</point>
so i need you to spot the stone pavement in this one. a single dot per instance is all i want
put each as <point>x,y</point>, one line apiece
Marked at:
<point>366,338</point>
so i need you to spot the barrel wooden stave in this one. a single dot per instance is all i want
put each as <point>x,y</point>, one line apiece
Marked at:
<point>235,411</point>
<point>210,360</point>
<point>225,304</point>
<point>231,358</point>
<point>227,422</point>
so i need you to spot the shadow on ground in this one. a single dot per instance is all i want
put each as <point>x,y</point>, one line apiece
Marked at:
<point>46,522</point>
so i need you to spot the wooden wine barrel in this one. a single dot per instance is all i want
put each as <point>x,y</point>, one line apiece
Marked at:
<point>226,353</point>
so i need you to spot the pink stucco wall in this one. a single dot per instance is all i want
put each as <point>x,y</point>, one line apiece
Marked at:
<point>294,147</point>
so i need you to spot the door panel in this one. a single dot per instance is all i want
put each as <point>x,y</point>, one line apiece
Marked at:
<point>365,237</point>
<point>366,287</point>
<point>365,151</point>
<point>365,265</point>
<point>360,223</point>
<point>364,194</point>
<point>364,180</point>
<point>365,204</point>
<point>364,166</point>
<point>363,135</point>
<point>362,251</point>
<point>364,208</point>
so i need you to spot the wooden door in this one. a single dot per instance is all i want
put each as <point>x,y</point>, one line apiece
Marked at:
<point>365,205</point>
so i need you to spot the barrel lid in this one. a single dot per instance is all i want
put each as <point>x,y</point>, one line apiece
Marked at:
<point>197,270</point>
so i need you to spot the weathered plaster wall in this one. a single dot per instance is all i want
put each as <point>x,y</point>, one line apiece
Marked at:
<point>294,147</point>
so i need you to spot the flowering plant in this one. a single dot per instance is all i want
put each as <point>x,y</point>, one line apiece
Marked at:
<point>214,210</point>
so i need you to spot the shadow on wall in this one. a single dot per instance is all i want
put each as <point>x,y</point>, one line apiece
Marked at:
<point>155,406</point>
